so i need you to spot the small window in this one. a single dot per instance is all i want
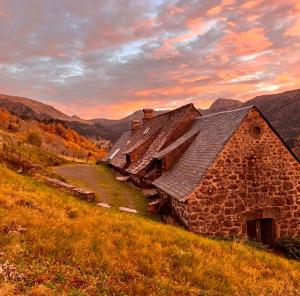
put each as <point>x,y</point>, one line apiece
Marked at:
<point>146,130</point>
<point>256,131</point>
<point>114,154</point>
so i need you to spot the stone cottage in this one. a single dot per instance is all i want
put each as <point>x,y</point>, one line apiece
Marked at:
<point>134,152</point>
<point>226,174</point>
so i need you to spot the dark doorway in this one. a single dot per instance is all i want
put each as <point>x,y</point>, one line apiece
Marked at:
<point>261,230</point>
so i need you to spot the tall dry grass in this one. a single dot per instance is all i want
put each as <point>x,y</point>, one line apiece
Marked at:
<point>102,252</point>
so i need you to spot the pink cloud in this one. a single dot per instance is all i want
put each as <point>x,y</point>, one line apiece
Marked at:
<point>108,60</point>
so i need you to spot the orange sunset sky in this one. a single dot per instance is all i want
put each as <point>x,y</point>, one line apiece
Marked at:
<point>109,58</point>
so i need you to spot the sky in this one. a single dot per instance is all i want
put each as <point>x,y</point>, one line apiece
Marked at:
<point>97,58</point>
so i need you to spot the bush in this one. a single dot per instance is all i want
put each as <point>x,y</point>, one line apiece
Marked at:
<point>72,213</point>
<point>290,247</point>
<point>34,139</point>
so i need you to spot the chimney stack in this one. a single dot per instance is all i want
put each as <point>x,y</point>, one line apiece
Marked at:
<point>135,125</point>
<point>148,114</point>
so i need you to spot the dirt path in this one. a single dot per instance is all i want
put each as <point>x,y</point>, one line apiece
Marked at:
<point>102,181</point>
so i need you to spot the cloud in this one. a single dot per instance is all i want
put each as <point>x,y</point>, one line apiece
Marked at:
<point>107,59</point>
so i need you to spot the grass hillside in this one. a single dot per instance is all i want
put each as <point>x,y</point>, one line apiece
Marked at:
<point>53,244</point>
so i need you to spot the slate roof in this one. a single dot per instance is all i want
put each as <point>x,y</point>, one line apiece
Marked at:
<point>161,128</point>
<point>120,144</point>
<point>214,131</point>
<point>157,131</point>
<point>187,136</point>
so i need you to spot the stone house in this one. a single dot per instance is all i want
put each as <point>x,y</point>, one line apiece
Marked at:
<point>134,152</point>
<point>229,174</point>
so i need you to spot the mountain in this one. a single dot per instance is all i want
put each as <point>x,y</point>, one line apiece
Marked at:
<point>30,109</point>
<point>118,127</point>
<point>282,110</point>
<point>224,105</point>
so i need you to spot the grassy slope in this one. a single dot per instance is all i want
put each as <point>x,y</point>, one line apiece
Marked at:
<point>102,180</point>
<point>101,252</point>
<point>29,153</point>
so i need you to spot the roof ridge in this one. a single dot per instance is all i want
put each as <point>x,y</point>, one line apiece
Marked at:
<point>171,111</point>
<point>228,111</point>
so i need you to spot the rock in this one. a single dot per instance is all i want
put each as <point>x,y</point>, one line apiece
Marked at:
<point>153,207</point>
<point>150,193</point>
<point>103,205</point>
<point>123,178</point>
<point>128,210</point>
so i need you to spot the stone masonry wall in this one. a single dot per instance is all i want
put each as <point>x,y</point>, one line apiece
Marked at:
<point>254,177</point>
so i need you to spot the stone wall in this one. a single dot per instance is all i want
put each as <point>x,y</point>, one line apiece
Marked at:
<point>69,188</point>
<point>254,177</point>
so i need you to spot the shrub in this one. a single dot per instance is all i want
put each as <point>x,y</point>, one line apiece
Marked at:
<point>290,247</point>
<point>34,139</point>
<point>72,213</point>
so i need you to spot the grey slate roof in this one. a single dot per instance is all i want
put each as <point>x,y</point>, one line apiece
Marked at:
<point>187,136</point>
<point>120,144</point>
<point>155,132</point>
<point>214,131</point>
<point>161,128</point>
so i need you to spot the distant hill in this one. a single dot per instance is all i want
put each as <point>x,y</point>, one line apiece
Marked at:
<point>117,127</point>
<point>223,105</point>
<point>282,110</point>
<point>31,109</point>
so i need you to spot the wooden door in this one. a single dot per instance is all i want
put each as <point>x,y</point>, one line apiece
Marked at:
<point>261,230</point>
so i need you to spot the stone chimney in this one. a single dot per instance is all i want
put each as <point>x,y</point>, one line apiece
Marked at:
<point>148,114</point>
<point>135,125</point>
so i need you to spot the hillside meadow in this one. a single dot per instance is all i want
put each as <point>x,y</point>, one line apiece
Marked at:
<point>53,244</point>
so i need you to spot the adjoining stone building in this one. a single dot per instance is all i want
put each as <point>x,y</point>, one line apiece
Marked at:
<point>228,174</point>
<point>134,152</point>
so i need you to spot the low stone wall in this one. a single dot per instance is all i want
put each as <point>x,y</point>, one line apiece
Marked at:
<point>74,190</point>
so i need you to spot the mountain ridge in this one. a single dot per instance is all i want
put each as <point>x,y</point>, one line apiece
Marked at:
<point>280,109</point>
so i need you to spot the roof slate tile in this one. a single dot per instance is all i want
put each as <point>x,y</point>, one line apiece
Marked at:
<point>214,131</point>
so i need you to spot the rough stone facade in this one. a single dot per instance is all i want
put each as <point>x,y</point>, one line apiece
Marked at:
<point>253,177</point>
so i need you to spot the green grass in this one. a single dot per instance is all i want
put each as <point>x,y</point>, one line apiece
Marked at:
<point>112,191</point>
<point>103,252</point>
<point>121,192</point>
